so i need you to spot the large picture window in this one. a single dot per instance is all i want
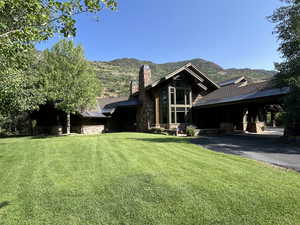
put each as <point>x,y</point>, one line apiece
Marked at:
<point>175,104</point>
<point>164,106</point>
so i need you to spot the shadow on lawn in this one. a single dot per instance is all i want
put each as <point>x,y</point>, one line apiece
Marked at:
<point>165,140</point>
<point>3,204</point>
<point>47,136</point>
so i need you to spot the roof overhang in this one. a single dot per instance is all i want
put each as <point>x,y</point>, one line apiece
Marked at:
<point>111,108</point>
<point>97,115</point>
<point>265,95</point>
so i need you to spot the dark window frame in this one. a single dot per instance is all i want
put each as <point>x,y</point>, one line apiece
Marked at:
<point>175,108</point>
<point>168,102</point>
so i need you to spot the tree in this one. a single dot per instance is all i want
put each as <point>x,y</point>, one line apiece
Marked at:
<point>287,20</point>
<point>68,80</point>
<point>20,90</point>
<point>24,23</point>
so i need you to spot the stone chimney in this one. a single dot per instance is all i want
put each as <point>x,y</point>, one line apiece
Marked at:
<point>145,111</point>
<point>134,87</point>
<point>144,77</point>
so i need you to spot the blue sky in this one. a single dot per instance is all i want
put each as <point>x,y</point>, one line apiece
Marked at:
<point>231,33</point>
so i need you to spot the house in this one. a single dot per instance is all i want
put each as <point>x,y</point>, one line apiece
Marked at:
<point>185,96</point>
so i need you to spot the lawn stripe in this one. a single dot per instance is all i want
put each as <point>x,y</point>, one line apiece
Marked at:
<point>135,178</point>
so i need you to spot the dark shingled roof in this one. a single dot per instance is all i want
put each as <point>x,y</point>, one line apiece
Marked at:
<point>110,108</point>
<point>102,102</point>
<point>106,106</point>
<point>236,93</point>
<point>88,114</point>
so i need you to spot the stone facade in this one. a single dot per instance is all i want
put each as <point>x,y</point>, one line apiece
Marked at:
<point>92,129</point>
<point>145,112</point>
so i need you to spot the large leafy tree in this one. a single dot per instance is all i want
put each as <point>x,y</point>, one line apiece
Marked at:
<point>20,90</point>
<point>68,80</point>
<point>287,20</point>
<point>24,23</point>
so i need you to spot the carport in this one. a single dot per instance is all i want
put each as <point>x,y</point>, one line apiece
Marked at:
<point>237,106</point>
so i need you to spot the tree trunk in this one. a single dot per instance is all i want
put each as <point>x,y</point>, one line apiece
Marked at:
<point>68,123</point>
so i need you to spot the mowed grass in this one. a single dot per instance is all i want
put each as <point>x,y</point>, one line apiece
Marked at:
<point>134,178</point>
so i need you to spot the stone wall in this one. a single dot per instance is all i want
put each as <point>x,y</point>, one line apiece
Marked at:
<point>92,129</point>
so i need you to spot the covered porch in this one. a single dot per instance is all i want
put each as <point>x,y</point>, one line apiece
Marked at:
<point>242,108</point>
<point>245,117</point>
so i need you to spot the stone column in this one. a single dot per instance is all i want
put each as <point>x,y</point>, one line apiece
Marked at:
<point>243,120</point>
<point>145,112</point>
<point>252,118</point>
<point>273,119</point>
<point>254,123</point>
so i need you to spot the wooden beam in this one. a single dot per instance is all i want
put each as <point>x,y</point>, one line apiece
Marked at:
<point>203,74</point>
<point>202,86</point>
<point>194,75</point>
<point>157,109</point>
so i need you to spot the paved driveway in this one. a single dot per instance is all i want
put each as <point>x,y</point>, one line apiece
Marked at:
<point>267,148</point>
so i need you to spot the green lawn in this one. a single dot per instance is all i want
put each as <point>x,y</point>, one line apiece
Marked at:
<point>134,178</point>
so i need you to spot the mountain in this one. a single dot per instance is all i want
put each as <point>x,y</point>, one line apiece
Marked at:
<point>116,75</point>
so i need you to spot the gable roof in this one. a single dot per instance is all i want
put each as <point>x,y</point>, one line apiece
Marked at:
<point>190,68</point>
<point>235,93</point>
<point>231,81</point>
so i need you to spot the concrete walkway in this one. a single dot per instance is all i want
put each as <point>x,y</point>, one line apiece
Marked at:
<point>268,147</point>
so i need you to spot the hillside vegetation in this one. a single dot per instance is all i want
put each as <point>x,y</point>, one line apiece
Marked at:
<point>116,75</point>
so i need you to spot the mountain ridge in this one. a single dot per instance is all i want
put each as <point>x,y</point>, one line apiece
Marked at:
<point>115,75</point>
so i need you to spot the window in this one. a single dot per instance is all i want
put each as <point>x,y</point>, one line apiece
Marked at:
<point>180,96</point>
<point>188,97</point>
<point>164,106</point>
<point>180,117</point>
<point>180,103</point>
<point>172,93</point>
<point>175,103</point>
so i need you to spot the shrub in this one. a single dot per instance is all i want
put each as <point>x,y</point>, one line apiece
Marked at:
<point>191,130</point>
